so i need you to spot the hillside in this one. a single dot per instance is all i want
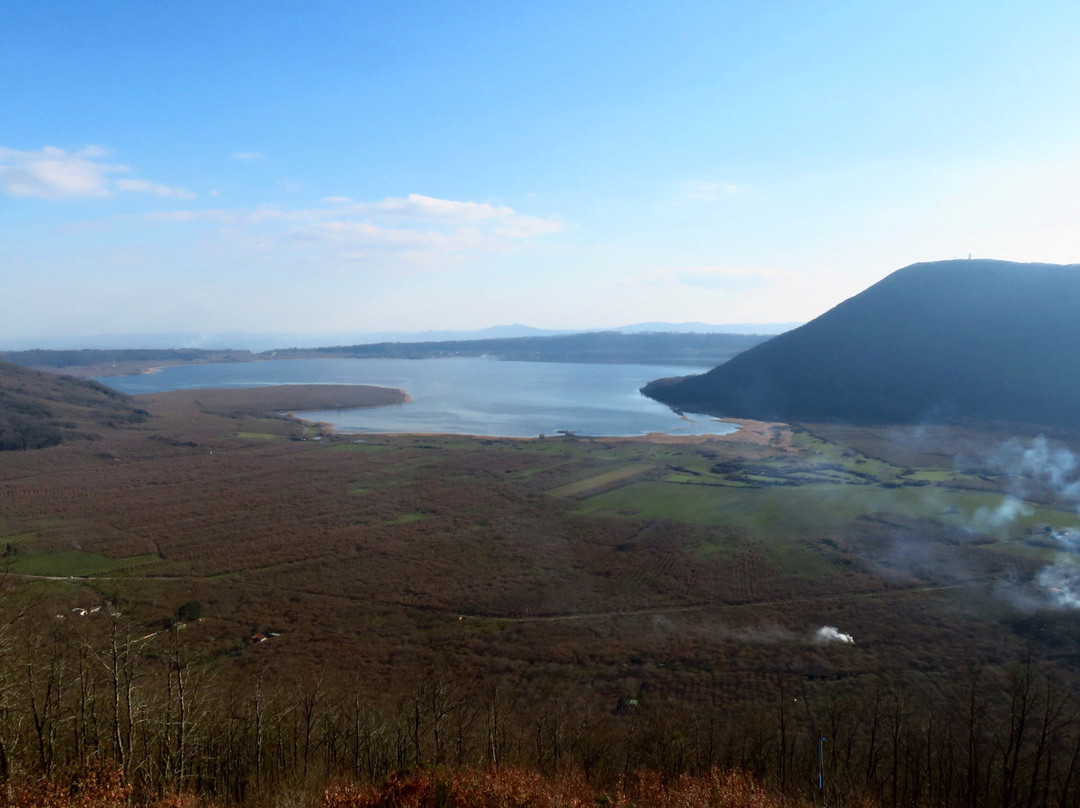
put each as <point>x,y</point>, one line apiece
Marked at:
<point>659,348</point>
<point>42,409</point>
<point>644,347</point>
<point>89,362</point>
<point>939,341</point>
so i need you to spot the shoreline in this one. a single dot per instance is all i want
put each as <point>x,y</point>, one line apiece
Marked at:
<point>762,433</point>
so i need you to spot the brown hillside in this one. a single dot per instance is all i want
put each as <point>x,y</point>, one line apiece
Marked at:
<point>42,409</point>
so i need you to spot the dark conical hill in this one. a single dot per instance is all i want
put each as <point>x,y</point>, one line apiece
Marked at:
<point>43,409</point>
<point>945,340</point>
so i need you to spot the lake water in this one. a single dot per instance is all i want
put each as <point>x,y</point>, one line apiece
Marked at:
<point>465,396</point>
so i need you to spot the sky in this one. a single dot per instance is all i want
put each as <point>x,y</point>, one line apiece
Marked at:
<point>330,166</point>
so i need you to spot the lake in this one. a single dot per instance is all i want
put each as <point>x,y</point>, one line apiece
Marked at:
<point>464,396</point>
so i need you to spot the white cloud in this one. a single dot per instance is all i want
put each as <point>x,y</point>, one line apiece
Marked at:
<point>211,215</point>
<point>53,173</point>
<point>418,222</point>
<point>145,186</point>
<point>421,231</point>
<point>248,156</point>
<point>418,206</point>
<point>361,233</point>
<point>700,191</point>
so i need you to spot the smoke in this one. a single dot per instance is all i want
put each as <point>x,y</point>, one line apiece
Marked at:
<point>1061,579</point>
<point>986,520</point>
<point>1062,583</point>
<point>827,634</point>
<point>1038,463</point>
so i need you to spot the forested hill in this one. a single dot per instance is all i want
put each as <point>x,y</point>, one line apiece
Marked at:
<point>936,341</point>
<point>660,348</point>
<point>102,359</point>
<point>42,409</point>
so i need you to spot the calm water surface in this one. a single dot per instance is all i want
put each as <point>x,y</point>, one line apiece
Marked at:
<point>467,396</point>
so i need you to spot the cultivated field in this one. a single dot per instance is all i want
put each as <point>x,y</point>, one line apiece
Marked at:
<point>558,576</point>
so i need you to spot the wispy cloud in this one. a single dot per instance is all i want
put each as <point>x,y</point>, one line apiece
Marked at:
<point>176,216</point>
<point>52,173</point>
<point>421,231</point>
<point>247,156</point>
<point>156,188</point>
<point>700,191</point>
<point>418,206</point>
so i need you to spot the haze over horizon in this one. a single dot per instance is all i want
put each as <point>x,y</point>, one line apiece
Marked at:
<point>358,167</point>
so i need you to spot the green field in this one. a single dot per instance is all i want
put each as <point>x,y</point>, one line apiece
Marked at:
<point>73,564</point>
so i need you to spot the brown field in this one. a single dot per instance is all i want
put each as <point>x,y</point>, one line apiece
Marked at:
<point>558,580</point>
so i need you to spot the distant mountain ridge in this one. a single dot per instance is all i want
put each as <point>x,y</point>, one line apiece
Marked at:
<point>646,348</point>
<point>243,341</point>
<point>939,341</point>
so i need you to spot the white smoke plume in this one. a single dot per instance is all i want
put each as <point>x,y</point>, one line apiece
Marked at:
<point>1061,580</point>
<point>1062,583</point>
<point>1058,469</point>
<point>986,520</point>
<point>827,634</point>
<point>1039,461</point>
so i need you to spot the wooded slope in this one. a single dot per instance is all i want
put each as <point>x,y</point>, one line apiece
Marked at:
<point>43,409</point>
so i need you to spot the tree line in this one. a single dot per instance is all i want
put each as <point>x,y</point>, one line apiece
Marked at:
<point>108,687</point>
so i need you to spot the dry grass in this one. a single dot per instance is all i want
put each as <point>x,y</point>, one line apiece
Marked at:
<point>96,786</point>
<point>513,788</point>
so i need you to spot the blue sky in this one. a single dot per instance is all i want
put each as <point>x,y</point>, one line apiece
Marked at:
<point>371,166</point>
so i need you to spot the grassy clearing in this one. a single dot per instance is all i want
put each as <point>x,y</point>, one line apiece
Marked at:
<point>74,563</point>
<point>934,476</point>
<point>14,539</point>
<point>813,509</point>
<point>362,448</point>
<point>597,481</point>
<point>255,436</point>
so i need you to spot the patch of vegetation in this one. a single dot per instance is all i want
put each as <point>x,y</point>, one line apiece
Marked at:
<point>604,480</point>
<point>406,518</point>
<point>362,447</point>
<point>256,436</point>
<point>73,563</point>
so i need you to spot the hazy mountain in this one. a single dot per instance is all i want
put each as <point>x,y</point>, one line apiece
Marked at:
<point>656,348</point>
<point>239,340</point>
<point>934,341</point>
<point>43,409</point>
